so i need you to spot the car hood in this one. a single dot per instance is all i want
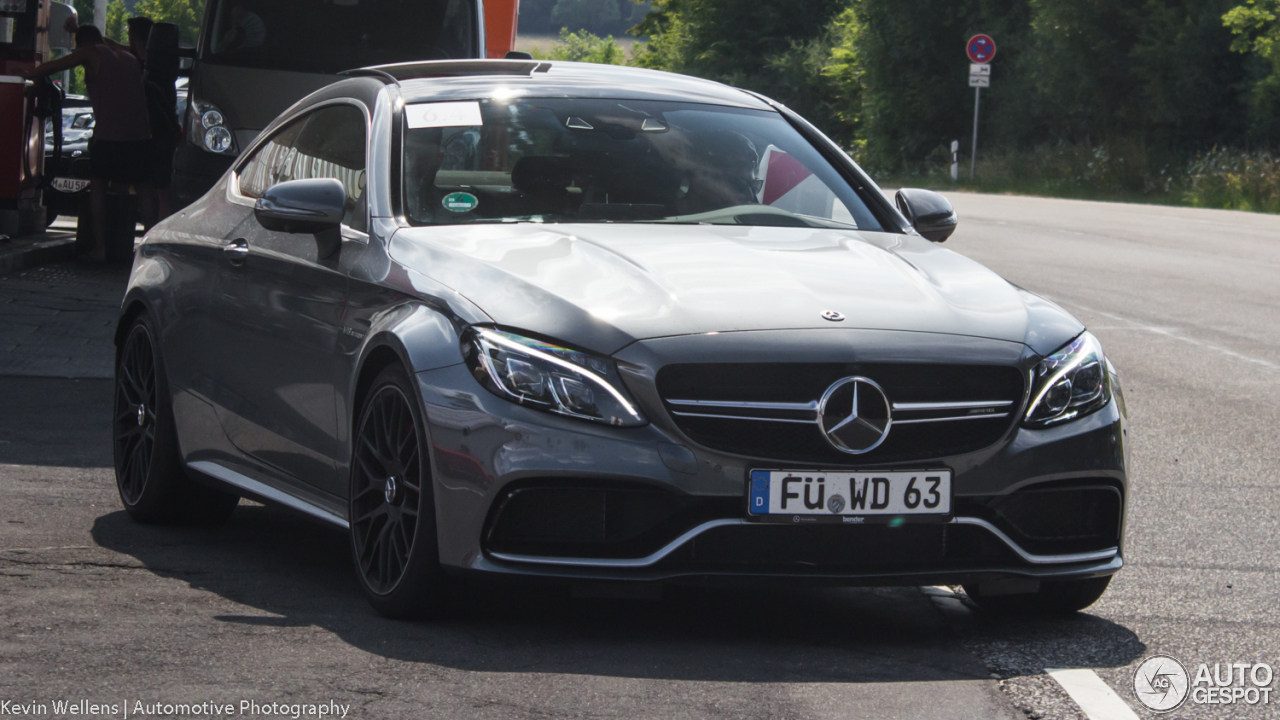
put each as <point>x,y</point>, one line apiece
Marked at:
<point>604,286</point>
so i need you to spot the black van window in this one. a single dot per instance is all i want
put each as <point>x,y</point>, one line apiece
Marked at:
<point>328,36</point>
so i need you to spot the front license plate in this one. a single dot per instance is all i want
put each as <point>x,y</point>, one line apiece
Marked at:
<point>809,495</point>
<point>69,185</point>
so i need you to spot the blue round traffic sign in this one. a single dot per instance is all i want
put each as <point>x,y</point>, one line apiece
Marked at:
<point>981,48</point>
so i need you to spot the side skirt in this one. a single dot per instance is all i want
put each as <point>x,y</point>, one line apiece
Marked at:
<point>266,493</point>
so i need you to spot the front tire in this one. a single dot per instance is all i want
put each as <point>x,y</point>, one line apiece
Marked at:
<point>149,474</point>
<point>1055,597</point>
<point>392,506</point>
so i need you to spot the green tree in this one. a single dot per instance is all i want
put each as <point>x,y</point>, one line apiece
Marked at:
<point>909,57</point>
<point>116,28</point>
<point>723,38</point>
<point>186,14</point>
<point>582,46</point>
<point>779,49</point>
<point>1256,26</point>
<point>585,14</point>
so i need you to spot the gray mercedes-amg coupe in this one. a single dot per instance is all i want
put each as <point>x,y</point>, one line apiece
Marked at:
<point>599,324</point>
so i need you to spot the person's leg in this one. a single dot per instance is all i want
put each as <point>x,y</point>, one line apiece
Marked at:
<point>147,204</point>
<point>98,221</point>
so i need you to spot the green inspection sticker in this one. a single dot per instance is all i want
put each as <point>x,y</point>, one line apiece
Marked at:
<point>461,202</point>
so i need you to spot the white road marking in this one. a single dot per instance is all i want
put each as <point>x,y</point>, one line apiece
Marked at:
<point>1173,334</point>
<point>1095,697</point>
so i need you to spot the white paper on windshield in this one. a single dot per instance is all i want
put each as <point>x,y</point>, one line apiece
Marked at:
<point>444,114</point>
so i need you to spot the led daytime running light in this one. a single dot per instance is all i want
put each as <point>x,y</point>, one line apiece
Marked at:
<point>577,371</point>
<point>1082,351</point>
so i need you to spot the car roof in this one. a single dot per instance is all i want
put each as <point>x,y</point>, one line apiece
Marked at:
<point>475,79</point>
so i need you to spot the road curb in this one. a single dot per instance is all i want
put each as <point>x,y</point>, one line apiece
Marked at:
<point>28,255</point>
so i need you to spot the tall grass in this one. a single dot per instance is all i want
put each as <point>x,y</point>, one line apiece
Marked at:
<point>1121,170</point>
<point>1236,180</point>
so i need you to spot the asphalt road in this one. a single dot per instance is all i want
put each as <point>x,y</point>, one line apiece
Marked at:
<point>95,607</point>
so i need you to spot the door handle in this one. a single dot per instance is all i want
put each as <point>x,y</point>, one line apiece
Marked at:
<point>236,251</point>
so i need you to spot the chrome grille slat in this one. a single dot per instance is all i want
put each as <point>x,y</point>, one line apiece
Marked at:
<point>744,417</point>
<point>983,416</point>
<point>907,407</point>
<point>813,405</point>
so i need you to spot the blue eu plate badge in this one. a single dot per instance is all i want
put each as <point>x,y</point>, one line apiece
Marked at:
<point>759,491</point>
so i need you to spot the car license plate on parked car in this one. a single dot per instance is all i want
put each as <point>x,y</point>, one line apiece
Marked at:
<point>851,497</point>
<point>69,185</point>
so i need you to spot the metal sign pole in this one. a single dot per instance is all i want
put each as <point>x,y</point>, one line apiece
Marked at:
<point>981,49</point>
<point>973,158</point>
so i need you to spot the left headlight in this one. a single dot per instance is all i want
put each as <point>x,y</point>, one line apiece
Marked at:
<point>209,130</point>
<point>1070,383</point>
<point>549,377</point>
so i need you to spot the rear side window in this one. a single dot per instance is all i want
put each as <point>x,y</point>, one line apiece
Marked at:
<point>326,143</point>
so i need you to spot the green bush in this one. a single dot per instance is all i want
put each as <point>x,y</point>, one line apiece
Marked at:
<point>582,46</point>
<point>1222,178</point>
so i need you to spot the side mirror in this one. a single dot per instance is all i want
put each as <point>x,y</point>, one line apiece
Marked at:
<point>930,213</point>
<point>314,206</point>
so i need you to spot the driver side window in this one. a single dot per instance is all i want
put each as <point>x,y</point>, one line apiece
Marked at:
<point>269,162</point>
<point>331,145</point>
<point>326,143</point>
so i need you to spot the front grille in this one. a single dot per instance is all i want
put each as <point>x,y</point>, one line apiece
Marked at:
<point>769,410</point>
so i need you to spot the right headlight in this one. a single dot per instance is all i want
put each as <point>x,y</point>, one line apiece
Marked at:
<point>208,129</point>
<point>1070,383</point>
<point>548,377</point>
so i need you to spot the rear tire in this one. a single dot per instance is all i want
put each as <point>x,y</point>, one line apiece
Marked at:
<point>392,505</point>
<point>1055,597</point>
<point>150,477</point>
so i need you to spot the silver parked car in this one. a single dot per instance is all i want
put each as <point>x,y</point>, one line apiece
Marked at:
<point>532,319</point>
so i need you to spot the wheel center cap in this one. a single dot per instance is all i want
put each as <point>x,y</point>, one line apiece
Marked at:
<point>142,415</point>
<point>390,491</point>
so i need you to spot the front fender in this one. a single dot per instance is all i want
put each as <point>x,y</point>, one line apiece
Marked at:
<point>144,293</point>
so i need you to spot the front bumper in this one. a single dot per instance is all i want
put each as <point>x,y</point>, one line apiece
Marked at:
<point>483,446</point>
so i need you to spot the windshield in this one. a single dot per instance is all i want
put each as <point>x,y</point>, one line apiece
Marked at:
<point>328,36</point>
<point>557,160</point>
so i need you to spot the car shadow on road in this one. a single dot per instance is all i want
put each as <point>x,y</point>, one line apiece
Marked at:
<point>291,573</point>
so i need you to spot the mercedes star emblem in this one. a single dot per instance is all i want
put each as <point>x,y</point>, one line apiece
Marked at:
<point>855,415</point>
<point>832,315</point>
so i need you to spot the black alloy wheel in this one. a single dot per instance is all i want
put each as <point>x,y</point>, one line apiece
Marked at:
<point>134,429</point>
<point>149,473</point>
<point>393,530</point>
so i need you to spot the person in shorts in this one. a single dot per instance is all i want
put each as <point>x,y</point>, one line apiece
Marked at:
<point>161,112</point>
<point>120,151</point>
